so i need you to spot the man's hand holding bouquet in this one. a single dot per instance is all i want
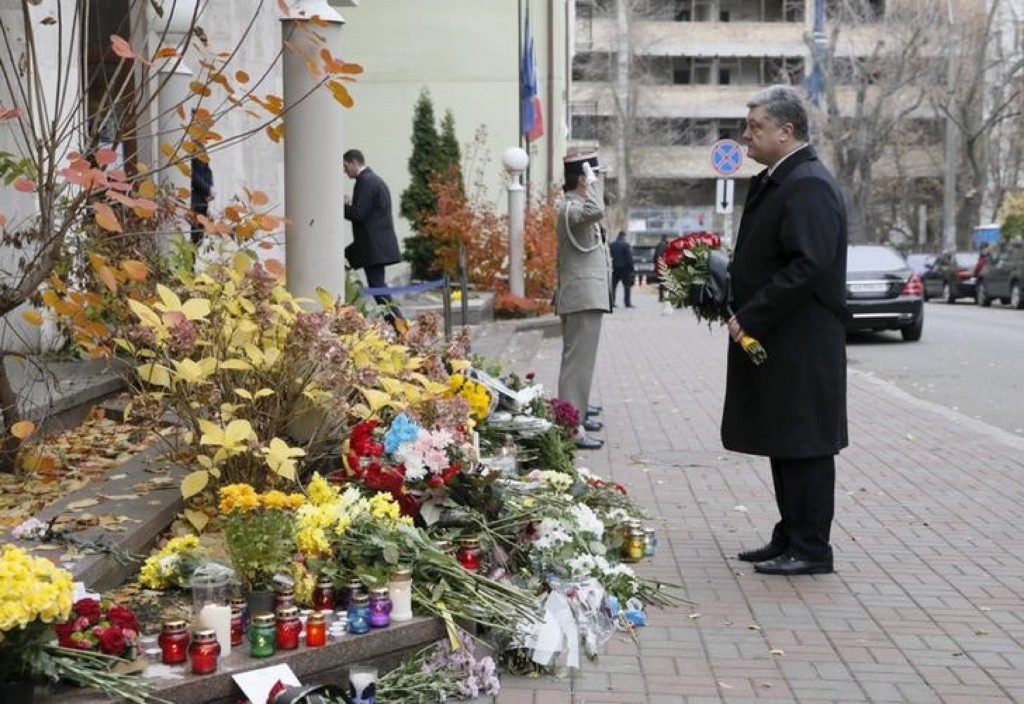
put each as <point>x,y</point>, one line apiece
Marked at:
<point>694,273</point>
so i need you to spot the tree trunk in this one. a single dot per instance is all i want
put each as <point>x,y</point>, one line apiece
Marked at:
<point>9,444</point>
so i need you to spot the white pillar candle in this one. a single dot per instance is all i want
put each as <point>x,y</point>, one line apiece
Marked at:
<point>219,619</point>
<point>400,593</point>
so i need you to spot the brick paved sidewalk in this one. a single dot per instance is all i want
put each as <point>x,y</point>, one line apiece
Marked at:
<point>925,606</point>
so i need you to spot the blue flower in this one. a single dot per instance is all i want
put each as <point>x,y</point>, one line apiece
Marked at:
<point>403,429</point>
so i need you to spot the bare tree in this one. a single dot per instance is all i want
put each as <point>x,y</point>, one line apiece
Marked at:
<point>876,69</point>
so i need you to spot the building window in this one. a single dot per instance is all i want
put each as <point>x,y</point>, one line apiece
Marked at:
<point>723,16</point>
<point>595,66</point>
<point>723,76</point>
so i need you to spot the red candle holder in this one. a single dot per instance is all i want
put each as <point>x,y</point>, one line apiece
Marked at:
<point>316,630</point>
<point>204,652</point>
<point>288,628</point>
<point>173,641</point>
<point>323,595</point>
<point>469,554</point>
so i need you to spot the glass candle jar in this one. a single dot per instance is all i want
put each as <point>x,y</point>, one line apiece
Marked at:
<point>359,614</point>
<point>469,554</point>
<point>635,545</point>
<point>288,628</point>
<point>316,630</point>
<point>650,542</point>
<point>400,591</point>
<point>380,608</point>
<point>241,604</point>
<point>323,595</point>
<point>262,636</point>
<point>237,627</point>
<point>283,598</point>
<point>173,641</point>
<point>204,651</point>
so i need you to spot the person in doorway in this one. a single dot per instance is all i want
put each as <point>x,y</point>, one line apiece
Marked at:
<point>788,276</point>
<point>583,295</point>
<point>374,242</point>
<point>202,193</point>
<point>622,269</point>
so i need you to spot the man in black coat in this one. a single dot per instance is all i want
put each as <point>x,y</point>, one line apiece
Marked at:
<point>622,268</point>
<point>789,288</point>
<point>201,193</point>
<point>374,242</point>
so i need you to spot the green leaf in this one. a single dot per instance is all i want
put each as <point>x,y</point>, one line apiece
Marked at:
<point>437,592</point>
<point>391,554</point>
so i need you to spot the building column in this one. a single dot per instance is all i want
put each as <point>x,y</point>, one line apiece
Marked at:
<point>313,145</point>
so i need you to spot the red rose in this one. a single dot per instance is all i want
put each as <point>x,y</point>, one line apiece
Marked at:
<point>122,618</point>
<point>112,641</point>
<point>64,631</point>
<point>435,480</point>
<point>88,609</point>
<point>672,257</point>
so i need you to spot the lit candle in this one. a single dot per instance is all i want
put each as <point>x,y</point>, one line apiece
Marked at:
<point>400,591</point>
<point>218,618</point>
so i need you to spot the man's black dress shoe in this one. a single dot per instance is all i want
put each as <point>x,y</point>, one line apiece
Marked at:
<point>767,552</point>
<point>592,426</point>
<point>594,410</point>
<point>588,443</point>
<point>790,565</point>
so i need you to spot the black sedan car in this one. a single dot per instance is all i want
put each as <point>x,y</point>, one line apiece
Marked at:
<point>882,292</point>
<point>951,276</point>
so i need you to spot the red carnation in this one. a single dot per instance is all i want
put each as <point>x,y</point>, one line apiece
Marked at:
<point>88,609</point>
<point>122,618</point>
<point>112,641</point>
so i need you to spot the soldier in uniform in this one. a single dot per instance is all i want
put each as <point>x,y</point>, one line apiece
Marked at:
<point>584,285</point>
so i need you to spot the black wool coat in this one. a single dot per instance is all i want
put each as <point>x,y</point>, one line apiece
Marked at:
<point>374,240</point>
<point>788,275</point>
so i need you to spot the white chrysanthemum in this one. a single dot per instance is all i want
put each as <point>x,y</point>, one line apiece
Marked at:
<point>551,535</point>
<point>587,521</point>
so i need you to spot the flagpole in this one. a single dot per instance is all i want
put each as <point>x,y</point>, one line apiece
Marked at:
<point>533,60</point>
<point>519,64</point>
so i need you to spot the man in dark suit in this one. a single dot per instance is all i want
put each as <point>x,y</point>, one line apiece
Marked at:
<point>374,242</point>
<point>622,268</point>
<point>201,193</point>
<point>789,286</point>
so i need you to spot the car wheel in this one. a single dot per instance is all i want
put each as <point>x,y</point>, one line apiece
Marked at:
<point>912,332</point>
<point>984,299</point>
<point>1016,300</point>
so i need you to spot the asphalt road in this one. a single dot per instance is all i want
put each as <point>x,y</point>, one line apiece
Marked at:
<point>969,359</point>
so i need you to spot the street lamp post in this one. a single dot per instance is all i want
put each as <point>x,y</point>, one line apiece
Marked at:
<point>515,161</point>
<point>949,172</point>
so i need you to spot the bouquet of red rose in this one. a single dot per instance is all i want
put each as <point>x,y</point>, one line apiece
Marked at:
<point>693,273</point>
<point>111,631</point>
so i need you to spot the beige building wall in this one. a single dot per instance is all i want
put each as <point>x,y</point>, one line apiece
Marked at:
<point>466,52</point>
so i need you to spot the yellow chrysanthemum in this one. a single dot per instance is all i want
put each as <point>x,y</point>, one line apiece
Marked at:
<point>31,588</point>
<point>238,497</point>
<point>279,499</point>
<point>320,491</point>
<point>385,509</point>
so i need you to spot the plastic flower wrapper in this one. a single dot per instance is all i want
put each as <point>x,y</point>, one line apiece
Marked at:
<point>694,274</point>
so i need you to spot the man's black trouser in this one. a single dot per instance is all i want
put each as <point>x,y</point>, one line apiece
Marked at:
<point>805,495</point>
<point>375,278</point>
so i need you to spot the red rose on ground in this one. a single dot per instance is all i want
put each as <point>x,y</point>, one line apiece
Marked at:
<point>89,609</point>
<point>122,618</point>
<point>112,641</point>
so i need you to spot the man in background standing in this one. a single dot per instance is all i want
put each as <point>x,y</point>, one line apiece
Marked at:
<point>584,286</point>
<point>374,242</point>
<point>622,269</point>
<point>202,192</point>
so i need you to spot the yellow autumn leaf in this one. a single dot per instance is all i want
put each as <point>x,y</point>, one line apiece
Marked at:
<point>377,399</point>
<point>239,365</point>
<point>244,393</point>
<point>192,372</point>
<point>168,299</point>
<point>145,314</point>
<point>390,385</point>
<point>325,298</point>
<point>264,392</point>
<point>340,93</point>
<point>196,308</point>
<point>135,270</point>
<point>281,458</point>
<point>198,519</point>
<point>230,439</point>
<point>459,364</point>
<point>194,483</point>
<point>32,317</point>
<point>22,429</point>
<point>106,218</point>
<point>155,374</point>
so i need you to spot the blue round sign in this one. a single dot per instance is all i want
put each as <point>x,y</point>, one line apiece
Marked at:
<point>726,157</point>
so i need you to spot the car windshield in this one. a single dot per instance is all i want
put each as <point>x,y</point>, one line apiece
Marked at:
<point>966,260</point>
<point>873,259</point>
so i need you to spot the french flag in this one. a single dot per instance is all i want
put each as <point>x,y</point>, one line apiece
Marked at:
<point>532,115</point>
